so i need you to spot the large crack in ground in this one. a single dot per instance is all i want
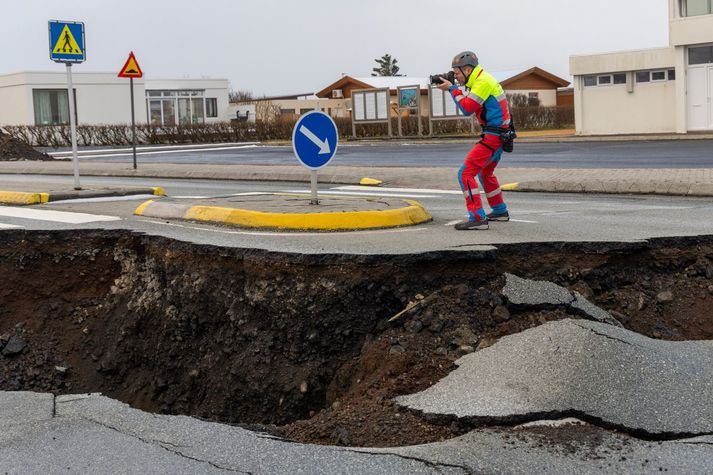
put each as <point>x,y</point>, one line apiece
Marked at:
<point>301,346</point>
<point>467,424</point>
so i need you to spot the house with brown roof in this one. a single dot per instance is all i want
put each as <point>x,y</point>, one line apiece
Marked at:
<point>335,99</point>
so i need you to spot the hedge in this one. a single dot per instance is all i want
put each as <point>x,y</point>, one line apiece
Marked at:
<point>526,118</point>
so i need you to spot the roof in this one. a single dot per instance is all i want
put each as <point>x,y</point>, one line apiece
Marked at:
<point>393,82</point>
<point>556,80</point>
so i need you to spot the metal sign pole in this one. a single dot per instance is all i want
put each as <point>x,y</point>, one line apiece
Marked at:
<point>133,121</point>
<point>73,126</point>
<point>313,187</point>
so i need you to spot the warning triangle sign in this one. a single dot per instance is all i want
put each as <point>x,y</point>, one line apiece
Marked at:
<point>131,68</point>
<point>67,44</point>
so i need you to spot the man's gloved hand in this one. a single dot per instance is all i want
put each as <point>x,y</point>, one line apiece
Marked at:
<point>445,85</point>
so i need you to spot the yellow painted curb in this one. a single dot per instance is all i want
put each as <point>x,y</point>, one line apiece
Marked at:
<point>509,186</point>
<point>142,207</point>
<point>22,198</point>
<point>409,215</point>
<point>370,181</point>
<point>158,191</point>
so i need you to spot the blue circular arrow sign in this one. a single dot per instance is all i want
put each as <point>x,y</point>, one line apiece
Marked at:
<point>315,139</point>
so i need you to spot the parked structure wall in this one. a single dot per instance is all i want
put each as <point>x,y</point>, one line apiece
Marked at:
<point>677,97</point>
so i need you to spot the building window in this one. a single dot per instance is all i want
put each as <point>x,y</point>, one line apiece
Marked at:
<point>155,117</point>
<point>643,76</point>
<point>695,7</point>
<point>619,78</point>
<point>533,95</point>
<point>182,107</point>
<point>658,75</point>
<point>605,79</point>
<point>52,106</point>
<point>671,74</point>
<point>700,55</point>
<point>211,107</point>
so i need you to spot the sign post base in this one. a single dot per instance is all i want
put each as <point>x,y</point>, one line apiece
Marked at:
<point>313,187</point>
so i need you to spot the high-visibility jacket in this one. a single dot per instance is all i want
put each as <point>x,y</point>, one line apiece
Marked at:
<point>484,97</point>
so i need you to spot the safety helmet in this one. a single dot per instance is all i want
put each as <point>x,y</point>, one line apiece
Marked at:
<point>466,58</point>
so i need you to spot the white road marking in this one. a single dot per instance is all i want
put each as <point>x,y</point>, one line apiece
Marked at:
<point>451,223</point>
<point>9,226</point>
<point>163,152</point>
<point>165,147</point>
<point>54,216</point>
<point>284,233</point>
<point>398,190</point>
<point>350,193</point>
<point>247,193</point>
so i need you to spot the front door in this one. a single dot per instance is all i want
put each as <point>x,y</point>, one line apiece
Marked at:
<point>698,98</point>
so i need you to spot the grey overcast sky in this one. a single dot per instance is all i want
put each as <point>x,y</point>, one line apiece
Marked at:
<point>297,46</point>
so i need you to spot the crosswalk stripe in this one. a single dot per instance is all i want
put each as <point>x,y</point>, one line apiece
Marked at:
<point>54,216</point>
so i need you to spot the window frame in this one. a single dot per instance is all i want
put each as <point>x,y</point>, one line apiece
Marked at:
<point>636,77</point>
<point>683,4</point>
<point>662,71</point>
<point>213,101</point>
<point>174,95</point>
<point>709,49</point>
<point>609,78</point>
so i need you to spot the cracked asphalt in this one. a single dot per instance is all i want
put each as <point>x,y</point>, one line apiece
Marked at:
<point>641,405</point>
<point>601,373</point>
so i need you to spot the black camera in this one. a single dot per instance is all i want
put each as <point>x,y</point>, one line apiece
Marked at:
<point>438,78</point>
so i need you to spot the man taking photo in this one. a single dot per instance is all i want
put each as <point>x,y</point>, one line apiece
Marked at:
<point>484,97</point>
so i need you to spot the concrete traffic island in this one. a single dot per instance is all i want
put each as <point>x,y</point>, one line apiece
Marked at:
<point>19,196</point>
<point>291,212</point>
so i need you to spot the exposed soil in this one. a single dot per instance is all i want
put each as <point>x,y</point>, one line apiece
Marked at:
<point>302,345</point>
<point>12,149</point>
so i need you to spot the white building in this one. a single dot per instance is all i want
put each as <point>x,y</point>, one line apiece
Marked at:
<point>40,98</point>
<point>661,90</point>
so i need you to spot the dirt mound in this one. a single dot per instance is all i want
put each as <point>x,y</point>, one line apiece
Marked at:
<point>302,345</point>
<point>12,149</point>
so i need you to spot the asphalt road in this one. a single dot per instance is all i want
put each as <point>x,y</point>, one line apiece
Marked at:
<point>537,217</point>
<point>635,154</point>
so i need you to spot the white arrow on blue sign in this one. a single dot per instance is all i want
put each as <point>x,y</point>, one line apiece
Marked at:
<point>315,139</point>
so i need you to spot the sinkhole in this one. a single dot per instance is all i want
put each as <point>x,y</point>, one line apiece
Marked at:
<point>310,347</point>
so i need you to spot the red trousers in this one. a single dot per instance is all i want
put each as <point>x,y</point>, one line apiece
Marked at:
<point>479,165</point>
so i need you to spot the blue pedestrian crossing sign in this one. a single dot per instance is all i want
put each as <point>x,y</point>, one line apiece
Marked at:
<point>315,139</point>
<point>67,41</point>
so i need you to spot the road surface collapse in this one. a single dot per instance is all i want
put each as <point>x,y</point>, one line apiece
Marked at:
<point>320,348</point>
